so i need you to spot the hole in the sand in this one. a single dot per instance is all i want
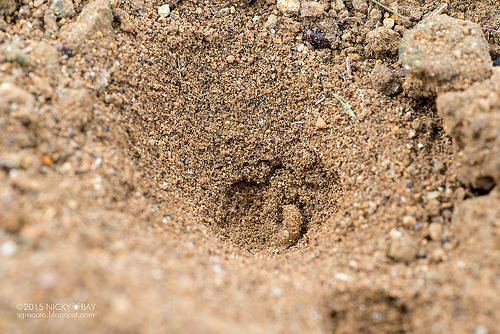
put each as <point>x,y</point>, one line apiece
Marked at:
<point>368,311</point>
<point>483,186</point>
<point>230,127</point>
<point>256,210</point>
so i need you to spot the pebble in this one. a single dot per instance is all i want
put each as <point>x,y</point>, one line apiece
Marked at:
<point>312,9</point>
<point>8,248</point>
<point>433,207</point>
<point>317,39</point>
<point>271,22</point>
<point>385,81</point>
<point>438,255</point>
<point>63,8</point>
<point>320,123</point>
<point>409,221</point>
<point>433,195</point>
<point>292,224</point>
<point>403,247</point>
<point>389,23</point>
<point>343,277</point>
<point>435,231</point>
<point>164,10</point>
<point>481,330</point>
<point>288,6</point>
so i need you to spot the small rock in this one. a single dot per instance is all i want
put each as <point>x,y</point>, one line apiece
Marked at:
<point>174,15</point>
<point>320,123</point>
<point>343,277</point>
<point>271,22</point>
<point>383,41</point>
<point>433,195</point>
<point>11,217</point>
<point>63,8</point>
<point>164,10</point>
<point>317,39</point>
<point>402,248</point>
<point>409,221</point>
<point>8,248</point>
<point>389,23</point>
<point>385,80</point>
<point>438,256</point>
<point>292,224</point>
<point>230,59</point>
<point>444,54</point>
<point>435,230</point>
<point>481,330</point>
<point>93,23</point>
<point>312,9</point>
<point>288,6</point>
<point>433,208</point>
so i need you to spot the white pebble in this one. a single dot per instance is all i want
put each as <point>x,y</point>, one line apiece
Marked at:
<point>343,277</point>
<point>288,6</point>
<point>389,23</point>
<point>164,10</point>
<point>9,248</point>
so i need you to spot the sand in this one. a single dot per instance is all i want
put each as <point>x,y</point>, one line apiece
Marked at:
<point>198,173</point>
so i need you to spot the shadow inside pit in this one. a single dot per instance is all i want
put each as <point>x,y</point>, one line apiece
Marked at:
<point>366,310</point>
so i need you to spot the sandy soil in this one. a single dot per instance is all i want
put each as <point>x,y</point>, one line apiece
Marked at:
<point>249,166</point>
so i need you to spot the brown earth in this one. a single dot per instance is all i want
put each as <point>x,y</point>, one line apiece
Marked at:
<point>199,172</point>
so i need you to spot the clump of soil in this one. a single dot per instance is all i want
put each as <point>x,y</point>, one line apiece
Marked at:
<point>471,118</point>
<point>443,54</point>
<point>250,166</point>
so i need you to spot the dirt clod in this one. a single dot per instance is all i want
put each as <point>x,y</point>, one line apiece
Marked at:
<point>385,80</point>
<point>383,41</point>
<point>444,54</point>
<point>472,118</point>
<point>403,248</point>
<point>93,23</point>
